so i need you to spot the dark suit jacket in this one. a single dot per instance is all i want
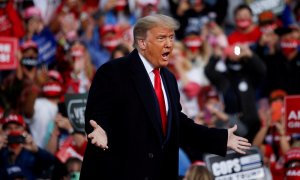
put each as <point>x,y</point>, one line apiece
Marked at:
<point>122,101</point>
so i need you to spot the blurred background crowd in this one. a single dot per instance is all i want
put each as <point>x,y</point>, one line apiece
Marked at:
<point>235,62</point>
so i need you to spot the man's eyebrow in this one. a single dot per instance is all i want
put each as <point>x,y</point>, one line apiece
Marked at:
<point>165,35</point>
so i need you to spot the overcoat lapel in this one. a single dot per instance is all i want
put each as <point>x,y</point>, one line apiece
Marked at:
<point>145,91</point>
<point>170,96</point>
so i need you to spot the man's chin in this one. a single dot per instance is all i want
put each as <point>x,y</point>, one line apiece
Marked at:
<point>164,63</point>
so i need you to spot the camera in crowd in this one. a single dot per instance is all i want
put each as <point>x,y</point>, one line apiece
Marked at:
<point>15,139</point>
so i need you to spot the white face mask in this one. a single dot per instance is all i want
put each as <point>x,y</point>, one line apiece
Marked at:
<point>111,43</point>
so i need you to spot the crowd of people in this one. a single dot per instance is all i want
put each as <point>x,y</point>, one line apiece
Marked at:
<point>229,71</point>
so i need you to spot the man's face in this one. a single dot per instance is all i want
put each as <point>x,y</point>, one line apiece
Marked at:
<point>30,53</point>
<point>13,127</point>
<point>289,44</point>
<point>243,14</point>
<point>110,41</point>
<point>158,45</point>
<point>33,25</point>
<point>292,35</point>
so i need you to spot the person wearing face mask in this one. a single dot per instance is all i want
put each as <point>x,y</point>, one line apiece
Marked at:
<point>283,63</point>
<point>73,166</point>
<point>108,39</point>
<point>18,150</point>
<point>39,33</point>
<point>190,14</point>
<point>245,31</point>
<point>266,45</point>
<point>118,12</point>
<point>292,164</point>
<point>45,109</point>
<point>237,73</point>
<point>268,22</point>
<point>146,7</point>
<point>22,86</point>
<point>79,79</point>
<point>190,67</point>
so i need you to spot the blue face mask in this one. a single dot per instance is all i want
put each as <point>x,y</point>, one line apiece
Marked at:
<point>75,175</point>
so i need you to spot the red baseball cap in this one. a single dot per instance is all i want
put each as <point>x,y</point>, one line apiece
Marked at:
<point>29,44</point>
<point>55,75</point>
<point>292,155</point>
<point>278,93</point>
<point>52,89</point>
<point>266,16</point>
<point>108,28</point>
<point>292,164</point>
<point>13,118</point>
<point>32,11</point>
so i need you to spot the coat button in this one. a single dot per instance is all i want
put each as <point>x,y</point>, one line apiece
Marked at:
<point>150,155</point>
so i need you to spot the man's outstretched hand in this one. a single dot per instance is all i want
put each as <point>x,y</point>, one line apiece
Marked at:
<point>98,136</point>
<point>237,143</point>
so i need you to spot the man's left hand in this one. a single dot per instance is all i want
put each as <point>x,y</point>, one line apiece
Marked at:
<point>98,136</point>
<point>237,143</point>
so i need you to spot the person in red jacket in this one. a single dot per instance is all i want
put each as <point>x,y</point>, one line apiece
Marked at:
<point>11,24</point>
<point>246,31</point>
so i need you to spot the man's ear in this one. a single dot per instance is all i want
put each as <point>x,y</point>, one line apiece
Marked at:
<point>142,44</point>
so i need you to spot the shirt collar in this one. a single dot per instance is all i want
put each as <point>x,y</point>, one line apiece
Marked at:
<point>148,66</point>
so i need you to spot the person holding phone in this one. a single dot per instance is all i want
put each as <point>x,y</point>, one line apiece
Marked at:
<point>237,72</point>
<point>17,148</point>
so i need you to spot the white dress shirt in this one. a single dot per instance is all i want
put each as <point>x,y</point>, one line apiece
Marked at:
<point>149,69</point>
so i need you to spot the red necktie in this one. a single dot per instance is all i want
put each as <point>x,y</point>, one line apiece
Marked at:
<point>161,99</point>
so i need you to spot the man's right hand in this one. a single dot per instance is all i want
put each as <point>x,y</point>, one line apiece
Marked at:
<point>98,136</point>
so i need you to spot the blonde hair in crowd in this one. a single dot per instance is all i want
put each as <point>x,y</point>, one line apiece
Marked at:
<point>197,172</point>
<point>148,22</point>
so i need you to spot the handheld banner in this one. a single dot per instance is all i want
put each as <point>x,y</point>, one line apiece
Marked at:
<point>292,114</point>
<point>8,49</point>
<point>75,105</point>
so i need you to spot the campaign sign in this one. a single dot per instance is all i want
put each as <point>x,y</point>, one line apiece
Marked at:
<point>75,105</point>
<point>8,48</point>
<point>236,166</point>
<point>47,46</point>
<point>258,6</point>
<point>292,114</point>
<point>66,151</point>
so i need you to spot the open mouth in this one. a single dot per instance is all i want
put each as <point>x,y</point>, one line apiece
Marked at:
<point>165,55</point>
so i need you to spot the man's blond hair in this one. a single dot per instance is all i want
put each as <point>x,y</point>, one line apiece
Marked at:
<point>148,22</point>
